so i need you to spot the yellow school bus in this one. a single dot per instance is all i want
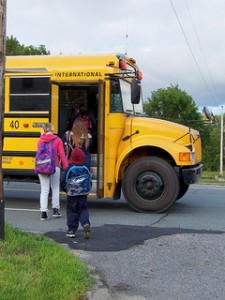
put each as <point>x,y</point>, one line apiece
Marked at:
<point>151,161</point>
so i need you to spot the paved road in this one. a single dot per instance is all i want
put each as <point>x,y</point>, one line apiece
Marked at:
<point>175,255</point>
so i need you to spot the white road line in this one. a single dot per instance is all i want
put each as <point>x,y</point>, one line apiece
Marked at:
<point>20,190</point>
<point>21,209</point>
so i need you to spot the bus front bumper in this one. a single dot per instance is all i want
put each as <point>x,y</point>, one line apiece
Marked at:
<point>193,174</point>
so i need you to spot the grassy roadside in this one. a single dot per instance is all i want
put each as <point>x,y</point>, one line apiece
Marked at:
<point>33,267</point>
<point>209,177</point>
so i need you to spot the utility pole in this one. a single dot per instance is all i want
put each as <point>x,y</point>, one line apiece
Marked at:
<point>221,143</point>
<point>2,93</point>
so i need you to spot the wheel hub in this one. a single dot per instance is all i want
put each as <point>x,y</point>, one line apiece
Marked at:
<point>149,185</point>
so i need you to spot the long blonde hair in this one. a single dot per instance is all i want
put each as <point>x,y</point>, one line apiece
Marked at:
<point>80,133</point>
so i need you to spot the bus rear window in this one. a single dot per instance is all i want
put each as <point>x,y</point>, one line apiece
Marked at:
<point>29,94</point>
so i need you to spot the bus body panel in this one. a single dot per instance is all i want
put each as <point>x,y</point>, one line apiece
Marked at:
<point>23,124</point>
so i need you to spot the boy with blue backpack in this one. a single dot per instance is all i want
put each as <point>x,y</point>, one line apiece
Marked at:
<point>76,182</point>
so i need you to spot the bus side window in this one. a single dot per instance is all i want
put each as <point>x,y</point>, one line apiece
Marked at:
<point>29,94</point>
<point>115,97</point>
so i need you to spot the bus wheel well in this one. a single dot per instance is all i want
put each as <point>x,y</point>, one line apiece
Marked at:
<point>145,151</point>
<point>117,192</point>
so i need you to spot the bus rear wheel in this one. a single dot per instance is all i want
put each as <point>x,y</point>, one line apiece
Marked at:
<point>150,184</point>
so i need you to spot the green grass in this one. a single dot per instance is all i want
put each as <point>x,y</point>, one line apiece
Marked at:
<point>212,177</point>
<point>32,267</point>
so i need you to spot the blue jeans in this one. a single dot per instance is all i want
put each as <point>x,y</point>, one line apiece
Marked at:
<point>77,212</point>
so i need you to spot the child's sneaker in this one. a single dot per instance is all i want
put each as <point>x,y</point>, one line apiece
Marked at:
<point>44,216</point>
<point>56,213</point>
<point>87,231</point>
<point>71,233</point>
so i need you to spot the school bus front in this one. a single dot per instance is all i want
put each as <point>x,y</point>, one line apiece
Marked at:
<point>155,161</point>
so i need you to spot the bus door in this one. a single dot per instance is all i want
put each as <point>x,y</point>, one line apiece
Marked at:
<point>55,108</point>
<point>91,96</point>
<point>101,139</point>
<point>71,96</point>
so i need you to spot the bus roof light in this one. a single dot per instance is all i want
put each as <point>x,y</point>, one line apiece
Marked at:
<point>111,64</point>
<point>139,75</point>
<point>25,125</point>
<point>122,64</point>
<point>132,60</point>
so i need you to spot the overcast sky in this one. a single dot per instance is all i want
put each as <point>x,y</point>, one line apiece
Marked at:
<point>173,41</point>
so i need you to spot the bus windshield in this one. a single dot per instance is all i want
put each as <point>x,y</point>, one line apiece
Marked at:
<point>121,98</point>
<point>126,99</point>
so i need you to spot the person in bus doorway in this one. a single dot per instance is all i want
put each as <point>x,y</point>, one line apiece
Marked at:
<point>89,122</point>
<point>52,180</point>
<point>81,139</point>
<point>77,211</point>
<point>91,129</point>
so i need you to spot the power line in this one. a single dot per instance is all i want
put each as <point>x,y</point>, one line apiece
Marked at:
<point>189,47</point>
<point>201,49</point>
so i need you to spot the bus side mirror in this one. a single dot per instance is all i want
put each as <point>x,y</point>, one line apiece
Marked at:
<point>135,91</point>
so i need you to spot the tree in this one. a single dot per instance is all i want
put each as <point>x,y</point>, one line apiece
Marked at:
<point>176,105</point>
<point>211,146</point>
<point>172,104</point>
<point>13,47</point>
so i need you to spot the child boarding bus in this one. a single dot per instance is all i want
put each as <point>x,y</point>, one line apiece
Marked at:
<point>152,161</point>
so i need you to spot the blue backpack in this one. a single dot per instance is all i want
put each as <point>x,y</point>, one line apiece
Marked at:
<point>78,181</point>
<point>45,158</point>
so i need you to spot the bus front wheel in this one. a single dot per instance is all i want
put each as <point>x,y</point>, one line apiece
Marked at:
<point>150,184</point>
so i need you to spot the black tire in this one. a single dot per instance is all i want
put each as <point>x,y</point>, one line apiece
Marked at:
<point>183,189</point>
<point>150,184</point>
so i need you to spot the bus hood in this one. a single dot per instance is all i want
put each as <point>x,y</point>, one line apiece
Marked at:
<point>159,127</point>
<point>162,133</point>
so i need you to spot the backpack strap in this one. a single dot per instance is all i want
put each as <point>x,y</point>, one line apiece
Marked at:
<point>68,145</point>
